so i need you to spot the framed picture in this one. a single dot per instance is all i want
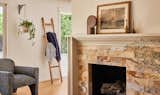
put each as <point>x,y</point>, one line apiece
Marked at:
<point>114,18</point>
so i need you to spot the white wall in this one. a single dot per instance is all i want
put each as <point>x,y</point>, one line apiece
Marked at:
<point>146,15</point>
<point>19,48</point>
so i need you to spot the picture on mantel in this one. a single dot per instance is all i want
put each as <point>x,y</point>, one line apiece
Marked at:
<point>113,18</point>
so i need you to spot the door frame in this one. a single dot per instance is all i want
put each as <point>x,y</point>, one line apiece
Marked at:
<point>68,52</point>
<point>4,5</point>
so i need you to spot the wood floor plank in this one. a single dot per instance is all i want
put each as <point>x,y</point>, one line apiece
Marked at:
<point>46,88</point>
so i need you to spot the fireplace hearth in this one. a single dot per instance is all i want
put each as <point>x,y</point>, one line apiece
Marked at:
<point>107,80</point>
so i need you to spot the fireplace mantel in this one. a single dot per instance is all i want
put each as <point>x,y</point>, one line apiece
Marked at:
<point>115,37</point>
<point>82,48</point>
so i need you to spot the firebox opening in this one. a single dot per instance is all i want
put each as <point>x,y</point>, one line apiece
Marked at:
<point>107,80</point>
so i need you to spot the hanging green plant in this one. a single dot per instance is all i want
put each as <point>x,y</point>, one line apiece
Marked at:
<point>27,27</point>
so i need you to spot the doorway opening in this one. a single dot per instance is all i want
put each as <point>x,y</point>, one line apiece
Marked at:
<point>66,29</point>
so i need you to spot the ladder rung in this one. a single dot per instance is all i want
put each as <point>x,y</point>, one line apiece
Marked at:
<point>54,66</point>
<point>48,24</point>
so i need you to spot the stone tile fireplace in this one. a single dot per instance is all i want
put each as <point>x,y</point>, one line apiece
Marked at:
<point>127,64</point>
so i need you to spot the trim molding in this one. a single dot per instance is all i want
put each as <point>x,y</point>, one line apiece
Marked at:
<point>5,41</point>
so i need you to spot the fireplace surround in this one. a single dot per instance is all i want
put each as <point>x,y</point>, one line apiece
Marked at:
<point>142,61</point>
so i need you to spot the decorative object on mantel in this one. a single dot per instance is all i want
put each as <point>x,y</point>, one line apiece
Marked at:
<point>114,18</point>
<point>27,26</point>
<point>91,24</point>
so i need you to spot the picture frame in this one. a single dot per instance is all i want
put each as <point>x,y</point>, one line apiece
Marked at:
<point>114,18</point>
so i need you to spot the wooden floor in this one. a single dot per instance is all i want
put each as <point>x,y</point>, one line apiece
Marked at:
<point>46,88</point>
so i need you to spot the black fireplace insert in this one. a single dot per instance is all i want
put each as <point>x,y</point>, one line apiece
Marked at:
<point>107,80</point>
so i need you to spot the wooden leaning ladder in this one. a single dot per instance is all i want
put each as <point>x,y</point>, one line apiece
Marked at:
<point>46,41</point>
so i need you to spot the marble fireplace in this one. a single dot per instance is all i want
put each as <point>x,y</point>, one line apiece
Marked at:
<point>127,64</point>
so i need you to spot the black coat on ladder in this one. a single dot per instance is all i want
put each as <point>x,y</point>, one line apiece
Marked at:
<point>52,38</point>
